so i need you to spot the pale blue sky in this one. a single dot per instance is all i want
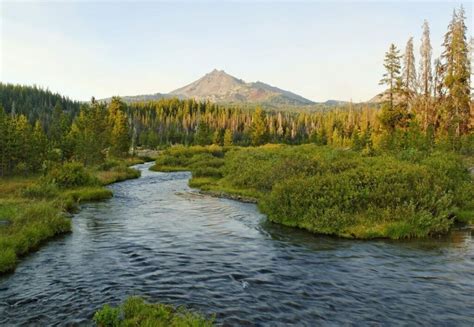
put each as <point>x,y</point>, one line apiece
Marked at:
<point>320,50</point>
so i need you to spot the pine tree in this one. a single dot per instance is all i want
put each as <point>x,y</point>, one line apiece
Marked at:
<point>90,133</point>
<point>409,72</point>
<point>258,127</point>
<point>118,128</point>
<point>425,62</point>
<point>438,79</point>
<point>228,138</point>
<point>457,73</point>
<point>120,135</point>
<point>391,78</point>
<point>203,134</point>
<point>217,137</point>
<point>39,148</point>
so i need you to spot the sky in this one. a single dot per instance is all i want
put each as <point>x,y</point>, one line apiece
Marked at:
<point>320,50</point>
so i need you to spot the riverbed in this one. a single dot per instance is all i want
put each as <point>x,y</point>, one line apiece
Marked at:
<point>160,239</point>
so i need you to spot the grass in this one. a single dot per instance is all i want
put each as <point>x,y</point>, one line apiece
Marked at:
<point>116,174</point>
<point>136,312</point>
<point>30,224</point>
<point>338,192</point>
<point>34,209</point>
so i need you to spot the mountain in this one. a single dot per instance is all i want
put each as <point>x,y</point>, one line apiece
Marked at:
<point>220,87</point>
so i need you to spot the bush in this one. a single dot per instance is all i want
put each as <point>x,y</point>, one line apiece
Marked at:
<point>136,312</point>
<point>107,316</point>
<point>377,191</point>
<point>109,164</point>
<point>72,174</point>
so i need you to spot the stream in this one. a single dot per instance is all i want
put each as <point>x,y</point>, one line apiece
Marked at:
<point>160,239</point>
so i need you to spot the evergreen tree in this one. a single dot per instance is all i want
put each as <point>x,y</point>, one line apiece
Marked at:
<point>203,134</point>
<point>408,72</point>
<point>120,135</point>
<point>39,148</point>
<point>118,127</point>
<point>90,134</point>
<point>228,138</point>
<point>457,73</point>
<point>258,127</point>
<point>425,62</point>
<point>391,77</point>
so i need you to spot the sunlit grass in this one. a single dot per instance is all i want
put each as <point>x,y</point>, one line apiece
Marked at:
<point>136,312</point>
<point>33,209</point>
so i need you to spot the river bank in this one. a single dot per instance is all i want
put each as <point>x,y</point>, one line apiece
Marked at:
<point>159,239</point>
<point>335,191</point>
<point>34,211</point>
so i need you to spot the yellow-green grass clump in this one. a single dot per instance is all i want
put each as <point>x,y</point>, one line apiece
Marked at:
<point>136,312</point>
<point>25,225</point>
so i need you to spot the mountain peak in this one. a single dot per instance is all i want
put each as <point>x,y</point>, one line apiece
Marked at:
<point>216,71</point>
<point>219,86</point>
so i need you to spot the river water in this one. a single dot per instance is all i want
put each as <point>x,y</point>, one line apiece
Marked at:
<point>160,239</point>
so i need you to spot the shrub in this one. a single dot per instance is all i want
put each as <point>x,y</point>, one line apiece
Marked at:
<point>72,174</point>
<point>107,316</point>
<point>109,164</point>
<point>378,190</point>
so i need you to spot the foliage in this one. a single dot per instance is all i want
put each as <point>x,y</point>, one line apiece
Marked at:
<point>71,174</point>
<point>392,77</point>
<point>136,312</point>
<point>32,209</point>
<point>404,194</point>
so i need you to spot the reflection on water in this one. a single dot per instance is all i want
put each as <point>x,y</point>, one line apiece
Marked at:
<point>159,239</point>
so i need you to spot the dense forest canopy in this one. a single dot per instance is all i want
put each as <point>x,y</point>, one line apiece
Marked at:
<point>35,103</point>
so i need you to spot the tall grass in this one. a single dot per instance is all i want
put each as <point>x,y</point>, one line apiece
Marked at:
<point>29,225</point>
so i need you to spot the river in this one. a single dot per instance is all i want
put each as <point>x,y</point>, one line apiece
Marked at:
<point>160,239</point>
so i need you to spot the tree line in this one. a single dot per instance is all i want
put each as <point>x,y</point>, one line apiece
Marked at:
<point>98,131</point>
